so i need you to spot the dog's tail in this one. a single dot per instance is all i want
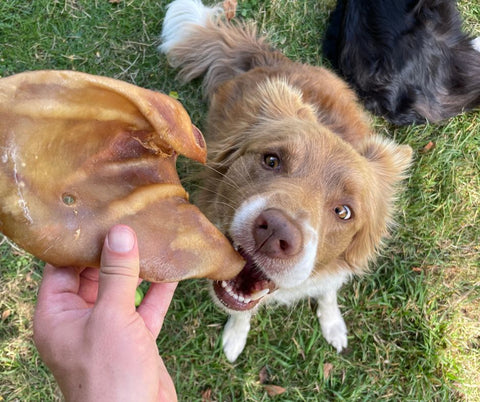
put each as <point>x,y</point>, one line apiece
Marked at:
<point>196,39</point>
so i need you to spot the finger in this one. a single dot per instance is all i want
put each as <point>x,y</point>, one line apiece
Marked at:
<point>155,305</point>
<point>58,292</point>
<point>57,281</point>
<point>88,288</point>
<point>119,269</point>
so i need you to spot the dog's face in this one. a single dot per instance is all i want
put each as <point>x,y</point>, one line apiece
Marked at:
<point>296,200</point>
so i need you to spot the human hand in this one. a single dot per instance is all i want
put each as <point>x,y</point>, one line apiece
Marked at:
<point>88,332</point>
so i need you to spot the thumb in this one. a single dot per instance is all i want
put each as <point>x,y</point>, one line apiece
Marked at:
<point>119,268</point>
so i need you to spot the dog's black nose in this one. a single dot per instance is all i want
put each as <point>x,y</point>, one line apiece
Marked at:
<point>276,235</point>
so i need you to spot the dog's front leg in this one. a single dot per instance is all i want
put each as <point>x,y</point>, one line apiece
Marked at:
<point>331,321</point>
<point>235,334</point>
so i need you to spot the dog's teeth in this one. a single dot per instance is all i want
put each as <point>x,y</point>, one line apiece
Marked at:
<point>259,294</point>
<point>240,296</point>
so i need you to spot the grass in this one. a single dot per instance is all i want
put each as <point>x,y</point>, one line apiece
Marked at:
<point>414,321</point>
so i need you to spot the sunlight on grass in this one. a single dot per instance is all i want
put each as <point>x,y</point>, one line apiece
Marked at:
<point>23,375</point>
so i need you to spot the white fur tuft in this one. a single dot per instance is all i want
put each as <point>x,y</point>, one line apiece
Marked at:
<point>180,14</point>
<point>476,44</point>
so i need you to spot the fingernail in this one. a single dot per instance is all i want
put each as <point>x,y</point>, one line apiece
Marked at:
<point>120,239</point>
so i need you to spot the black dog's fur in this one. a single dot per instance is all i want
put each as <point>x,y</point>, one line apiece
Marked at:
<point>408,60</point>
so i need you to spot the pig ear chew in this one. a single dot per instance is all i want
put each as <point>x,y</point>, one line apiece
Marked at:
<point>80,153</point>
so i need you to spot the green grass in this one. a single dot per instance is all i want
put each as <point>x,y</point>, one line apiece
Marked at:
<point>414,321</point>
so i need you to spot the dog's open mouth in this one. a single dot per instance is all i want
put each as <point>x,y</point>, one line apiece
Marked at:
<point>245,290</point>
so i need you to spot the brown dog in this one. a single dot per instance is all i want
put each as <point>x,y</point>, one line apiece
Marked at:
<point>297,180</point>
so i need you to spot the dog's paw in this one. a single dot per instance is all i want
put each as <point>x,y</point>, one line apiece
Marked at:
<point>235,337</point>
<point>335,332</point>
<point>233,346</point>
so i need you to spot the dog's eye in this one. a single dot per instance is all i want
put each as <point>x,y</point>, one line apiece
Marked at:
<point>343,212</point>
<point>271,161</point>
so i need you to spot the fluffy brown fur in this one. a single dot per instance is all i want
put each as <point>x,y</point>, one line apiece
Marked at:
<point>289,138</point>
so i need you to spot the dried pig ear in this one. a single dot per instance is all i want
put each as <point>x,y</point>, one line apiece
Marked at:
<point>80,153</point>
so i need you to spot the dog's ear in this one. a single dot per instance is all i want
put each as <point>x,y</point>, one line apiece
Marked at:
<point>389,160</point>
<point>388,164</point>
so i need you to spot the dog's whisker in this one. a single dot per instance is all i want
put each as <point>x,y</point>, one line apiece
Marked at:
<point>248,180</point>
<point>244,182</point>
<point>217,195</point>
<point>229,181</point>
<point>225,204</point>
<point>210,188</point>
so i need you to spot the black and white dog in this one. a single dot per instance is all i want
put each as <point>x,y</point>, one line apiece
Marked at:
<point>408,60</point>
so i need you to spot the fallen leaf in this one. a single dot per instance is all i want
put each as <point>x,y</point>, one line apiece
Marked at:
<point>114,1</point>
<point>273,390</point>
<point>207,395</point>
<point>263,375</point>
<point>230,8</point>
<point>5,314</point>
<point>428,147</point>
<point>327,369</point>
